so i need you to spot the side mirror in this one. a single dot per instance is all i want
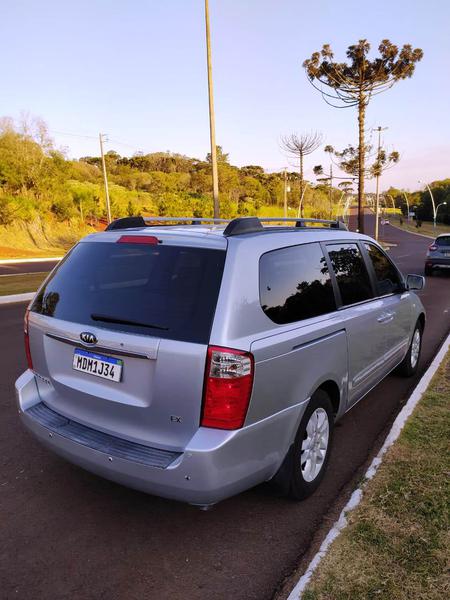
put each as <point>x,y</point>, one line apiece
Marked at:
<point>415,282</point>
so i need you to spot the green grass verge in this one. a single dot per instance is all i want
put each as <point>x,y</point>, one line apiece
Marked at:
<point>396,544</point>
<point>20,284</point>
<point>425,229</point>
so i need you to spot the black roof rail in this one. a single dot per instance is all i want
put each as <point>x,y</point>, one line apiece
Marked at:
<point>125,223</point>
<point>243,225</point>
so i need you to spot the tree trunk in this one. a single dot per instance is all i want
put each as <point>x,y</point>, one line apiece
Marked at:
<point>361,160</point>
<point>301,184</point>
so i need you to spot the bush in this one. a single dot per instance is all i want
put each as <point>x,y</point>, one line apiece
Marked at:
<point>6,210</point>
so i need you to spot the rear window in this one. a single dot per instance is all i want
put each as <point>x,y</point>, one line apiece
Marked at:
<point>163,291</point>
<point>443,241</point>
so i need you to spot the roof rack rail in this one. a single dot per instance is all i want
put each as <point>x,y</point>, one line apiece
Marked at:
<point>128,222</point>
<point>238,226</point>
<point>254,224</point>
<point>125,223</point>
<point>243,225</point>
<point>301,222</point>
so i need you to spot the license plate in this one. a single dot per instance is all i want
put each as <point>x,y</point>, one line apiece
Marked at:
<point>98,365</point>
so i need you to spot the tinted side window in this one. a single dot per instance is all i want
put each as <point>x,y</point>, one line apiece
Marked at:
<point>388,280</point>
<point>351,273</point>
<point>294,284</point>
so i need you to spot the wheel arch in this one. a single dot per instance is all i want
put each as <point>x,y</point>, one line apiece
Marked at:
<point>422,319</point>
<point>331,388</point>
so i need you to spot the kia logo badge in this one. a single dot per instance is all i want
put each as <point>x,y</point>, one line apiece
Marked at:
<point>88,338</point>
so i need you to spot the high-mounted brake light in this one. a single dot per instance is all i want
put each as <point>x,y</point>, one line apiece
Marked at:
<point>27,339</point>
<point>138,239</point>
<point>433,247</point>
<point>227,389</point>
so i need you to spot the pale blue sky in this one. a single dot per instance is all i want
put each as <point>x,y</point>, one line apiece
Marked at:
<point>136,70</point>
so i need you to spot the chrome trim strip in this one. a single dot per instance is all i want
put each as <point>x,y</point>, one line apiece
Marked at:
<point>95,348</point>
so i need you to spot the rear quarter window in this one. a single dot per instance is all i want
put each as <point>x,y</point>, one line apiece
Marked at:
<point>164,291</point>
<point>294,284</point>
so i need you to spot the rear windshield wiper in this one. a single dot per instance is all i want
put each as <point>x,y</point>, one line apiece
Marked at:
<point>108,319</point>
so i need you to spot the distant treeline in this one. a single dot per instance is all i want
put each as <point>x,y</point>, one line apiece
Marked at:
<point>38,180</point>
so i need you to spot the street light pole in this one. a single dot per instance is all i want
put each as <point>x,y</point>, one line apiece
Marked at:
<point>432,201</point>
<point>437,208</point>
<point>377,192</point>
<point>212,125</point>
<point>105,179</point>
<point>285,194</point>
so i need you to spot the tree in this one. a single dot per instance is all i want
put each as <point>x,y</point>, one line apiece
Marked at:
<point>353,83</point>
<point>348,160</point>
<point>299,146</point>
<point>222,157</point>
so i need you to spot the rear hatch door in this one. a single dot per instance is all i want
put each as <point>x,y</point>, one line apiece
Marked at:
<point>119,334</point>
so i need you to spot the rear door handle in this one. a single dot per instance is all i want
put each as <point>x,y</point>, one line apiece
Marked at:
<point>385,317</point>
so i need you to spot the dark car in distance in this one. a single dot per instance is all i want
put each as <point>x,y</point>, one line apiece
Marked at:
<point>438,255</point>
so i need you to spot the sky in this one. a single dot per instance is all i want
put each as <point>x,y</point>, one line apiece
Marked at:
<point>136,71</point>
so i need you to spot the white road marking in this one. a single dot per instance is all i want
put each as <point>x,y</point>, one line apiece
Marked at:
<point>17,298</point>
<point>22,274</point>
<point>14,261</point>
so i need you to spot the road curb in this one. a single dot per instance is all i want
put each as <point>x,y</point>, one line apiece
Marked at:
<point>17,298</point>
<point>355,498</point>
<point>13,261</point>
<point>429,237</point>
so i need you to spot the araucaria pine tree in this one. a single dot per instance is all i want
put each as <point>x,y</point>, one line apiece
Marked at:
<point>353,83</point>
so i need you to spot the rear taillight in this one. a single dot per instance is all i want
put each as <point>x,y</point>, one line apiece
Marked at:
<point>228,386</point>
<point>27,339</point>
<point>433,247</point>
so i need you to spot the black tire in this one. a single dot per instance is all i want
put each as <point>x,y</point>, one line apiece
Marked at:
<point>290,478</point>
<point>408,367</point>
<point>428,271</point>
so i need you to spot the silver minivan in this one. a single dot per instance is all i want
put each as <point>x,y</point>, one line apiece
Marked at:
<point>196,360</point>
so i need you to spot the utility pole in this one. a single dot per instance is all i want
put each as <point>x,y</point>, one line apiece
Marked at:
<point>331,191</point>
<point>212,126</point>
<point>377,193</point>
<point>285,194</point>
<point>105,179</point>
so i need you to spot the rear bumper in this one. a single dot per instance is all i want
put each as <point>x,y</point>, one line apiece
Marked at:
<point>443,262</point>
<point>214,465</point>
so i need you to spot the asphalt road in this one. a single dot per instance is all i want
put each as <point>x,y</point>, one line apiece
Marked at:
<point>65,533</point>
<point>27,267</point>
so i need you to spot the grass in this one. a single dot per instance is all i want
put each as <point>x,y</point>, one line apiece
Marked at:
<point>20,284</point>
<point>426,228</point>
<point>40,237</point>
<point>396,544</point>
